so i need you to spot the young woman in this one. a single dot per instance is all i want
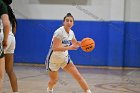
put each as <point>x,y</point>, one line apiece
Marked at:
<point>9,50</point>
<point>58,56</point>
<point>3,41</point>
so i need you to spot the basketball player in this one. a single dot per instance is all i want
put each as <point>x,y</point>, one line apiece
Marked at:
<point>3,41</point>
<point>9,50</point>
<point>58,56</point>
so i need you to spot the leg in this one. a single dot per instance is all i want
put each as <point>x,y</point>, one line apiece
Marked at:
<point>70,68</point>
<point>2,70</point>
<point>53,79</point>
<point>10,71</point>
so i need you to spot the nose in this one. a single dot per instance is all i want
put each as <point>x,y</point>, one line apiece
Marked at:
<point>69,22</point>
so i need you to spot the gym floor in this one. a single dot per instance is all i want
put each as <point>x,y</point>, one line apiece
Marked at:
<point>34,78</point>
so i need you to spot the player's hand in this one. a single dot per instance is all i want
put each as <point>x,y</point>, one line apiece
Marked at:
<point>74,47</point>
<point>4,44</point>
<point>79,43</point>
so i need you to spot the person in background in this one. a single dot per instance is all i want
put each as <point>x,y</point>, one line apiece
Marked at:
<point>9,50</point>
<point>3,39</point>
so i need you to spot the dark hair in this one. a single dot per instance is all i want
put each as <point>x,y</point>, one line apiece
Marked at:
<point>7,2</point>
<point>12,17</point>
<point>68,15</point>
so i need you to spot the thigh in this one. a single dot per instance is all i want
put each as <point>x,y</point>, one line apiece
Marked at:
<point>71,68</point>
<point>2,67</point>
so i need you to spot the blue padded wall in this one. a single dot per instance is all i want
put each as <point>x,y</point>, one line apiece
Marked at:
<point>112,38</point>
<point>132,44</point>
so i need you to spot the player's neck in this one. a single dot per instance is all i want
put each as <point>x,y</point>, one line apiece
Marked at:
<point>67,30</point>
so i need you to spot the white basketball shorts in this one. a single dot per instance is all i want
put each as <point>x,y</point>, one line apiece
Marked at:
<point>55,61</point>
<point>10,45</point>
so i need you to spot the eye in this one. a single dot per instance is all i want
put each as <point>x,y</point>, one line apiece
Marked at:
<point>67,20</point>
<point>71,20</point>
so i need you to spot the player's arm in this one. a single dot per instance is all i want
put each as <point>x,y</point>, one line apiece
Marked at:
<point>57,45</point>
<point>75,42</point>
<point>6,28</point>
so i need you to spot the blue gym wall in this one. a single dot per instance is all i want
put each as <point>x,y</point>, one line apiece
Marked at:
<point>132,44</point>
<point>113,24</point>
<point>117,42</point>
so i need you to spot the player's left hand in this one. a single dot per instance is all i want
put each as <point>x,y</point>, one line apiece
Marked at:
<point>79,43</point>
<point>76,45</point>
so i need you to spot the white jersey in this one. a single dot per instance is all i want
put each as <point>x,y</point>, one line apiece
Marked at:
<point>58,56</point>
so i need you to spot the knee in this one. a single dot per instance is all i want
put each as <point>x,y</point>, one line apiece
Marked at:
<point>9,71</point>
<point>53,81</point>
<point>1,76</point>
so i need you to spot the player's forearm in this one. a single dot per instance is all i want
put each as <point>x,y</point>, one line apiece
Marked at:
<point>6,26</point>
<point>61,48</point>
<point>6,32</point>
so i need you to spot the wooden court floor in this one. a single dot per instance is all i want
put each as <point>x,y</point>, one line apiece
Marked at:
<point>34,78</point>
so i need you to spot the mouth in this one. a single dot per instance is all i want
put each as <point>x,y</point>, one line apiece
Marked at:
<point>69,26</point>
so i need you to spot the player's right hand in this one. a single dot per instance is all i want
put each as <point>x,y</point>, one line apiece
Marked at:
<point>4,44</point>
<point>73,47</point>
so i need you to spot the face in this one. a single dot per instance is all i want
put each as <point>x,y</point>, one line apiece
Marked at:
<point>68,22</point>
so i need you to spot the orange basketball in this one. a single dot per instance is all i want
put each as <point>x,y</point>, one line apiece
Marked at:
<point>87,44</point>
